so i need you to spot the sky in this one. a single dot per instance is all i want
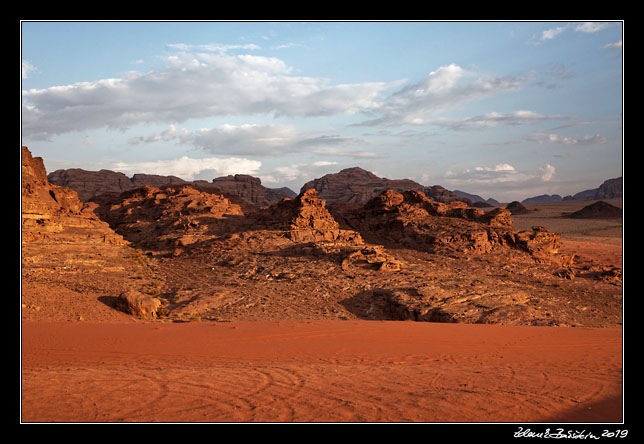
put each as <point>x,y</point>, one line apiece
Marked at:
<point>501,109</point>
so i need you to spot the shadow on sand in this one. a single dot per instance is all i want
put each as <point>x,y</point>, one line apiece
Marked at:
<point>607,410</point>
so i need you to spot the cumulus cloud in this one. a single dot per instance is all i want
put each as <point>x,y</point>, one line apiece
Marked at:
<point>542,138</point>
<point>551,33</point>
<point>502,173</point>
<point>192,85</point>
<point>446,88</point>
<point>190,168</point>
<point>547,173</point>
<point>585,27</point>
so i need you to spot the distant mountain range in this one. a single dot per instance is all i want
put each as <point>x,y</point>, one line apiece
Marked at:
<point>610,189</point>
<point>350,185</point>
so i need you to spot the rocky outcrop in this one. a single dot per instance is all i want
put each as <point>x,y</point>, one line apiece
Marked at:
<point>155,180</point>
<point>540,242</point>
<point>413,220</point>
<point>610,189</point>
<point>355,185</point>
<point>440,194</point>
<point>91,183</point>
<point>305,219</point>
<point>50,209</point>
<point>167,218</point>
<point>597,210</point>
<point>251,189</point>
<point>517,207</point>
<point>544,198</point>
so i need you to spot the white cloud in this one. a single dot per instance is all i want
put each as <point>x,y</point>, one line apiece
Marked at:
<point>615,45</point>
<point>192,85</point>
<point>590,27</point>
<point>542,138</point>
<point>324,163</point>
<point>551,33</point>
<point>498,167</point>
<point>446,88</point>
<point>502,173</point>
<point>547,173</point>
<point>189,168</point>
<point>27,68</point>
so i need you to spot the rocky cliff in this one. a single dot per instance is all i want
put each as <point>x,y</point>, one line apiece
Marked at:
<point>52,211</point>
<point>89,184</point>
<point>356,185</point>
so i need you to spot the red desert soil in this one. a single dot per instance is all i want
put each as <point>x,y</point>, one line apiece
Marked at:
<point>319,371</point>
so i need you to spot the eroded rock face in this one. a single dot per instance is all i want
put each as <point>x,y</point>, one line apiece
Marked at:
<point>91,183</point>
<point>610,189</point>
<point>168,218</point>
<point>250,189</point>
<point>48,209</point>
<point>415,221</point>
<point>540,242</point>
<point>305,219</point>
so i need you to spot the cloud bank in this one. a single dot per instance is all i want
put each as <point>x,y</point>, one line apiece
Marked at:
<point>188,168</point>
<point>192,85</point>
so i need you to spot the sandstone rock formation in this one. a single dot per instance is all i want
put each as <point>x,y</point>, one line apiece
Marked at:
<point>251,189</point>
<point>415,221</point>
<point>168,218</point>
<point>89,184</point>
<point>517,207</point>
<point>355,185</point>
<point>50,209</point>
<point>305,219</point>
<point>597,210</point>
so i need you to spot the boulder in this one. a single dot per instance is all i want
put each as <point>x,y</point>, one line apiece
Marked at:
<point>138,304</point>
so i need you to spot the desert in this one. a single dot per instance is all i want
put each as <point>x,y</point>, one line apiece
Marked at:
<point>180,302</point>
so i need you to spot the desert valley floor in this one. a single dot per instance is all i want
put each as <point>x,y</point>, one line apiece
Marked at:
<point>498,319</point>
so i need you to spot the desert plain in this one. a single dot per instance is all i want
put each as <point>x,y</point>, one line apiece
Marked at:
<point>178,304</point>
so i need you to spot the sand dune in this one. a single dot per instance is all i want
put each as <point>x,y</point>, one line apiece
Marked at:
<point>319,371</point>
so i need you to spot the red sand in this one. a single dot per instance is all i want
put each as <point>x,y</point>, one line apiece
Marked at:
<point>319,371</point>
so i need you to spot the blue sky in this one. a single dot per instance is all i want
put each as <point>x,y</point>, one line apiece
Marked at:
<point>507,110</point>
